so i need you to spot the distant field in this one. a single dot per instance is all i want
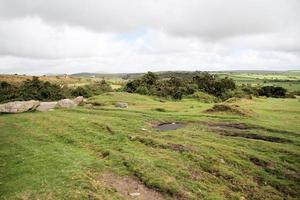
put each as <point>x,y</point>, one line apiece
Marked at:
<point>16,79</point>
<point>288,80</point>
<point>108,152</point>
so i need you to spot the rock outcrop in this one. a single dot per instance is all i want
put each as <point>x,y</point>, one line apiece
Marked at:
<point>66,103</point>
<point>78,100</point>
<point>46,106</point>
<point>23,106</point>
<point>19,106</point>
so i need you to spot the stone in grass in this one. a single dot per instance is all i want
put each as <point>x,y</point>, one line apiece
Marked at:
<point>19,106</point>
<point>46,106</point>
<point>121,105</point>
<point>78,100</point>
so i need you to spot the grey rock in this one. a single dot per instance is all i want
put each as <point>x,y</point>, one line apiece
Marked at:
<point>121,105</point>
<point>46,106</point>
<point>66,103</point>
<point>19,106</point>
<point>78,100</point>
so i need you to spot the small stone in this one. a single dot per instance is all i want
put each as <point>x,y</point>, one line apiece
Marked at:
<point>143,129</point>
<point>135,194</point>
<point>121,105</point>
<point>222,160</point>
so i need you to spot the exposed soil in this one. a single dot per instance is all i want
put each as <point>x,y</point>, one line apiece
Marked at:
<point>243,130</point>
<point>129,187</point>
<point>177,147</point>
<point>153,143</point>
<point>259,162</point>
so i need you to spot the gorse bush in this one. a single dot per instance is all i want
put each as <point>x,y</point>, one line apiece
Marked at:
<point>176,87</point>
<point>31,89</point>
<point>272,91</point>
<point>40,90</point>
<point>7,91</point>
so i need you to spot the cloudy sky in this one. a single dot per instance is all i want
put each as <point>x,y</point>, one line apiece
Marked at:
<point>67,36</point>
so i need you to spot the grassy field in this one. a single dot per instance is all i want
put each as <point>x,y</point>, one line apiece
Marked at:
<point>102,153</point>
<point>287,79</point>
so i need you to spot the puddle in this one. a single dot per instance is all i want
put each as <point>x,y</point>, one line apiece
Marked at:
<point>242,130</point>
<point>170,126</point>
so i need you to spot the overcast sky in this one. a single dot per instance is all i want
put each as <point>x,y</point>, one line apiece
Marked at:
<point>67,36</point>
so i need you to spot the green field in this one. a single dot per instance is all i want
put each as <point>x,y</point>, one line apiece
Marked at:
<point>287,79</point>
<point>97,153</point>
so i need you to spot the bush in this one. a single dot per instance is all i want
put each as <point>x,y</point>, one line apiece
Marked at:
<point>39,90</point>
<point>81,91</point>
<point>272,91</point>
<point>7,92</point>
<point>209,84</point>
<point>178,87</point>
<point>204,97</point>
<point>33,89</point>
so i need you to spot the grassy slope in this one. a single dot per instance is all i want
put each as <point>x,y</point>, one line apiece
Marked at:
<point>60,154</point>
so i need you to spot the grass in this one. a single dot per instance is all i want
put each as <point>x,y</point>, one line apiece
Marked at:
<point>60,154</point>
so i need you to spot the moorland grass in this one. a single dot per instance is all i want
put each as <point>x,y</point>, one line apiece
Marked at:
<point>60,154</point>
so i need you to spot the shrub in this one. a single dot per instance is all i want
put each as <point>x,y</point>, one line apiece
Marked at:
<point>39,90</point>
<point>178,87</point>
<point>272,91</point>
<point>81,91</point>
<point>8,92</point>
<point>98,88</point>
<point>204,97</point>
<point>209,84</point>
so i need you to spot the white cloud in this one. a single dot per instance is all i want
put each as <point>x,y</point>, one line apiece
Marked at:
<point>135,35</point>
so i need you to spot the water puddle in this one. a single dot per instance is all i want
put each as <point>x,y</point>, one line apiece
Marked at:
<point>170,126</point>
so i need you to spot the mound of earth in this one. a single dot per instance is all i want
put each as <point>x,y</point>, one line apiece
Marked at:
<point>227,108</point>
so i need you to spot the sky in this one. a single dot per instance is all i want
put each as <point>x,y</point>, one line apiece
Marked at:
<point>113,36</point>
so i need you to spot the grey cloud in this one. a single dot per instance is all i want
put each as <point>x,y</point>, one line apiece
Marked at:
<point>75,35</point>
<point>210,19</point>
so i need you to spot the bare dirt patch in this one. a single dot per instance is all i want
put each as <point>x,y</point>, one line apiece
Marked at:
<point>130,188</point>
<point>155,144</point>
<point>259,162</point>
